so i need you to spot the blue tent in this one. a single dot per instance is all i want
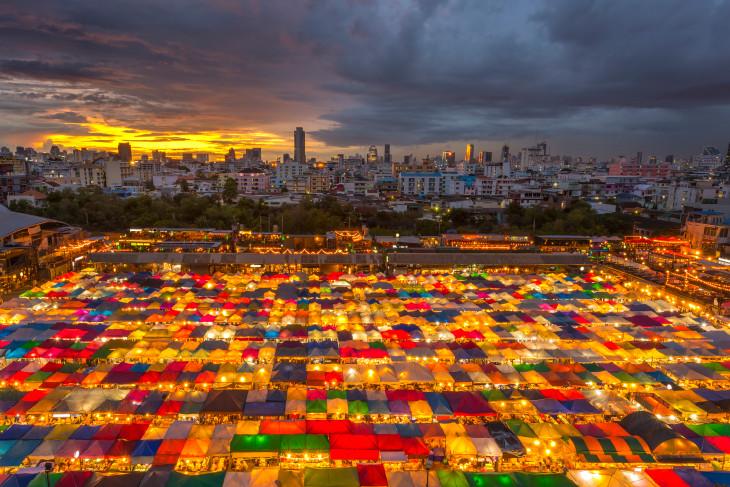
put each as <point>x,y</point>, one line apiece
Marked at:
<point>16,455</point>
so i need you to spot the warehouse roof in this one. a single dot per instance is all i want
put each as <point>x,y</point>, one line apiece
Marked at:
<point>12,221</point>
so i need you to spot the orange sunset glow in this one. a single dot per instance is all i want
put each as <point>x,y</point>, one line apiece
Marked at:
<point>103,136</point>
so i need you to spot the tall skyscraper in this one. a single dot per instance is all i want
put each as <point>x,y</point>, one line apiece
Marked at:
<point>449,157</point>
<point>505,152</point>
<point>300,154</point>
<point>372,155</point>
<point>159,156</point>
<point>124,149</point>
<point>639,157</point>
<point>387,158</point>
<point>253,154</point>
<point>469,156</point>
<point>727,155</point>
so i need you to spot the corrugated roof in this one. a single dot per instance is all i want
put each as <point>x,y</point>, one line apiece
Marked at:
<point>12,221</point>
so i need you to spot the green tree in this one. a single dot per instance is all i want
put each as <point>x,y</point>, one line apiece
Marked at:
<point>230,190</point>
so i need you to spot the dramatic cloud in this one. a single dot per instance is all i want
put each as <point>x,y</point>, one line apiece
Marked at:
<point>591,77</point>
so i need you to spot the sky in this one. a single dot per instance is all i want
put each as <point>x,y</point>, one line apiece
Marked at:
<point>596,78</point>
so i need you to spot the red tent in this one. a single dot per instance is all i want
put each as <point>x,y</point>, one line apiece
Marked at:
<point>389,442</point>
<point>666,477</point>
<point>328,426</point>
<point>353,447</point>
<point>372,475</point>
<point>415,447</point>
<point>274,427</point>
<point>74,479</point>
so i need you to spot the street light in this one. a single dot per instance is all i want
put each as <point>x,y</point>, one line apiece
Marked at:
<point>48,466</point>
<point>429,465</point>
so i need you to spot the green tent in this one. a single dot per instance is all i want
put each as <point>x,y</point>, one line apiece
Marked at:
<point>493,394</point>
<point>543,480</point>
<point>255,445</point>
<point>40,479</point>
<point>331,477</point>
<point>710,429</point>
<point>336,394</point>
<point>490,479</point>
<point>452,478</point>
<point>177,479</point>
<point>304,443</point>
<point>593,367</point>
<point>520,428</point>
<point>358,407</point>
<point>318,406</point>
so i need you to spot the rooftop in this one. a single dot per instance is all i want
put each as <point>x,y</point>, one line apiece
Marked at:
<point>12,221</point>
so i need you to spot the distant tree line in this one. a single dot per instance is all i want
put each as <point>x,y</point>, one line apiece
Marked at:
<point>95,210</point>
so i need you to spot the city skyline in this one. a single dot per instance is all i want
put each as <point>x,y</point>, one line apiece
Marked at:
<point>592,78</point>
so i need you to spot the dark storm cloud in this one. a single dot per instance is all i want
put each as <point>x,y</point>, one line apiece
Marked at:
<point>572,68</point>
<point>70,117</point>
<point>601,75</point>
<point>47,71</point>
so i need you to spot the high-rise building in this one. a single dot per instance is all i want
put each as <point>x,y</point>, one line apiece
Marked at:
<point>485,156</point>
<point>372,155</point>
<point>727,155</point>
<point>124,149</point>
<point>300,154</point>
<point>387,158</point>
<point>505,152</point>
<point>55,151</point>
<point>639,157</point>
<point>253,154</point>
<point>231,156</point>
<point>670,157</point>
<point>449,157</point>
<point>469,155</point>
<point>158,156</point>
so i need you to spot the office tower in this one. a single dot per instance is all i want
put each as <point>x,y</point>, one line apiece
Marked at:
<point>469,156</point>
<point>386,154</point>
<point>449,157</point>
<point>639,157</point>
<point>300,154</point>
<point>158,156</point>
<point>485,156</point>
<point>652,159</point>
<point>253,154</point>
<point>727,155</point>
<point>124,149</point>
<point>231,156</point>
<point>372,155</point>
<point>505,152</point>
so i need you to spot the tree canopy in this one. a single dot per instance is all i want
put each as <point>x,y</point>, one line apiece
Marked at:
<point>95,210</point>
